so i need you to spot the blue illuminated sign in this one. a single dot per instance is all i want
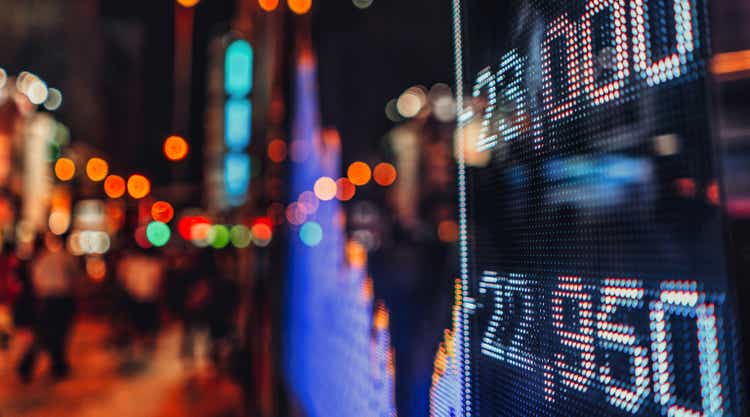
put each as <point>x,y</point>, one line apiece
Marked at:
<point>238,69</point>
<point>238,119</point>
<point>237,123</point>
<point>236,176</point>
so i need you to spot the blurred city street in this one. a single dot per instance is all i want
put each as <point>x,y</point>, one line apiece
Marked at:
<point>165,387</point>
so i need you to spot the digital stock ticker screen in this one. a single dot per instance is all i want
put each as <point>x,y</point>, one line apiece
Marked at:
<point>593,278</point>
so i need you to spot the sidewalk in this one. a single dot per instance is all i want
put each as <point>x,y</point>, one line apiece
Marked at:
<point>95,389</point>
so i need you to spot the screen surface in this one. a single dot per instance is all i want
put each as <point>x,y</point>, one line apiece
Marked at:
<point>593,278</point>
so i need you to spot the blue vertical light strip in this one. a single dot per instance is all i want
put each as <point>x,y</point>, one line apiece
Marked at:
<point>238,120</point>
<point>336,358</point>
<point>463,350</point>
<point>450,394</point>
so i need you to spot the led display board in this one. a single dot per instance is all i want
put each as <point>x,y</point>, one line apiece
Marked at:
<point>593,278</point>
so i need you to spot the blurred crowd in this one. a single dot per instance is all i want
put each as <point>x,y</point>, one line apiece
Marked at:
<point>147,292</point>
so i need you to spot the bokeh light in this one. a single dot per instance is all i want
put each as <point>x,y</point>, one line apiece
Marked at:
<point>311,234</point>
<point>114,186</point>
<point>299,6</point>
<point>240,236</point>
<point>359,173</point>
<point>158,234</point>
<point>162,211</point>
<point>268,5</point>
<point>3,78</point>
<point>37,91</point>
<point>262,234</point>
<point>54,99</point>
<point>65,169</point>
<point>218,236</point>
<point>277,151</point>
<point>296,214</point>
<point>345,190</point>
<point>391,111</point>
<point>185,226</point>
<point>356,254</point>
<point>448,231</point>
<point>384,174</point>
<point>138,186</point>
<point>97,169</point>
<point>199,234</point>
<point>92,242</point>
<point>362,4</point>
<point>411,102</point>
<point>141,239</point>
<point>325,188</point>
<point>176,148</point>
<point>188,3</point>
<point>59,222</point>
<point>309,202</point>
<point>96,268</point>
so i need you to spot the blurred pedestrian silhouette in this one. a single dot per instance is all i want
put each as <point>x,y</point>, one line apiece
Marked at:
<point>10,289</point>
<point>141,275</point>
<point>52,273</point>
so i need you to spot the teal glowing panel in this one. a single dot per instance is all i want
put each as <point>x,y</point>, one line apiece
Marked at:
<point>238,69</point>
<point>238,114</point>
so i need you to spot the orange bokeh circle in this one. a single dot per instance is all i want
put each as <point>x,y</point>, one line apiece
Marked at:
<point>114,186</point>
<point>97,169</point>
<point>161,211</point>
<point>188,3</point>
<point>65,169</point>
<point>345,190</point>
<point>176,148</point>
<point>385,174</point>
<point>300,6</point>
<point>138,186</point>
<point>359,173</point>
<point>277,150</point>
<point>268,5</point>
